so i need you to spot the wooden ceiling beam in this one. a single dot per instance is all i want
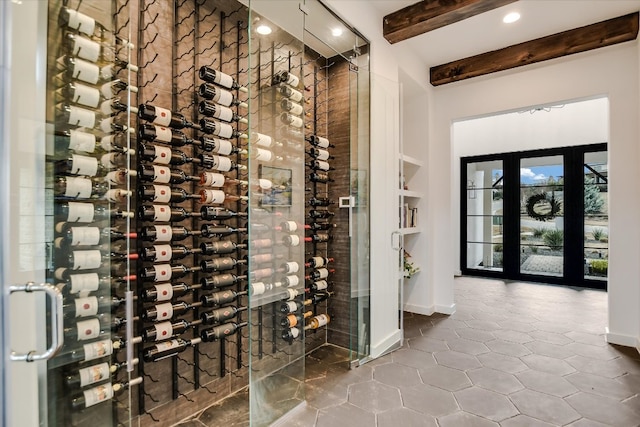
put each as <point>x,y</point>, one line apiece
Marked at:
<point>605,33</point>
<point>429,15</point>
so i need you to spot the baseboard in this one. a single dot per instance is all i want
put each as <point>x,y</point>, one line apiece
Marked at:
<point>419,309</point>
<point>289,416</point>
<point>383,347</point>
<point>445,309</point>
<point>457,273</point>
<point>619,339</point>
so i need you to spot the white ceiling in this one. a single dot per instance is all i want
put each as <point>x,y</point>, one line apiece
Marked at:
<point>487,32</point>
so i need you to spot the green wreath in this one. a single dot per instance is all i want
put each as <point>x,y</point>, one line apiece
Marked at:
<point>554,207</point>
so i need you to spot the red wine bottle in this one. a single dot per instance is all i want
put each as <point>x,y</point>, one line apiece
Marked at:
<point>74,236</point>
<point>285,77</point>
<point>318,321</point>
<point>167,349</point>
<point>289,335</point>
<point>163,134</point>
<point>221,297</point>
<point>94,374</point>
<point>320,177</point>
<point>163,175</point>
<point>166,233</point>
<point>220,247</point>
<point>210,75</point>
<point>165,253</point>
<point>320,273</point>
<point>166,311</point>
<point>320,201</point>
<point>320,165</point>
<point>223,130</point>
<point>220,315</point>
<point>164,194</point>
<point>320,285</point>
<point>221,331</point>
<point>218,180</point>
<point>292,320</point>
<point>91,306</point>
<point>318,261</point>
<point>220,264</point>
<point>220,112</point>
<point>219,230</point>
<point>162,155</point>
<point>320,214</point>
<point>99,394</point>
<point>100,326</point>
<point>167,291</point>
<point>166,272</point>
<point>320,154</point>
<point>163,117</point>
<point>210,213</point>
<point>220,281</point>
<point>219,163</point>
<point>164,213</point>
<point>319,297</point>
<point>293,306</point>
<point>219,95</point>
<point>219,146</point>
<point>318,238</point>
<point>209,195</point>
<point>319,141</point>
<point>165,330</point>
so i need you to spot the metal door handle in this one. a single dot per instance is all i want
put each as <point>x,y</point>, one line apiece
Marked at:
<point>394,245</point>
<point>57,333</point>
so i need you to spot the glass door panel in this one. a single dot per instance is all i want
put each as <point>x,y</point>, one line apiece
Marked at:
<point>596,215</point>
<point>542,216</point>
<point>484,195</point>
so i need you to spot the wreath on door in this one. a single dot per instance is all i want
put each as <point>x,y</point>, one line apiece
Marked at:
<point>542,208</point>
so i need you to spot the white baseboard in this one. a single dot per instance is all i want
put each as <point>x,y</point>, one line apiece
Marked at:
<point>445,309</point>
<point>457,273</point>
<point>419,309</point>
<point>383,346</point>
<point>620,339</point>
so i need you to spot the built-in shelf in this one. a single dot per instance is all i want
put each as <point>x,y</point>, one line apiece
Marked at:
<point>410,230</point>
<point>408,160</point>
<point>409,193</point>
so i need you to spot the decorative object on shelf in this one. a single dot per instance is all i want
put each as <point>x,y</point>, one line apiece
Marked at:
<point>410,268</point>
<point>542,208</point>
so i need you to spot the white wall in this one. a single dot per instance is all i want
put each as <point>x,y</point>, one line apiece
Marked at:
<point>610,72</point>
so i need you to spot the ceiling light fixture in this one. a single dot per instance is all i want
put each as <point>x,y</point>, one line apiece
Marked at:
<point>336,32</point>
<point>263,29</point>
<point>510,18</point>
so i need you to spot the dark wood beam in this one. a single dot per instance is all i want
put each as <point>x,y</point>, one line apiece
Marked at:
<point>429,15</point>
<point>606,33</point>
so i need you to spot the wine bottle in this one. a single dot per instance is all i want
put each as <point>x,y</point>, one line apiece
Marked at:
<point>76,283</point>
<point>219,230</point>
<point>164,213</point>
<point>78,93</point>
<point>220,281</point>
<point>167,349</point>
<point>114,106</point>
<point>220,247</point>
<point>93,350</point>
<point>290,267</point>
<point>218,146</point>
<point>115,66</point>
<point>320,154</point>
<point>166,135</point>
<point>166,233</point>
<point>291,107</point>
<point>219,95</point>
<point>220,315</point>
<point>221,331</point>
<point>292,320</point>
<point>167,310</point>
<point>96,327</point>
<point>72,115</point>
<point>319,177</point>
<point>218,180</point>
<point>220,112</point>
<point>264,258</point>
<point>162,155</point>
<point>85,48</point>
<point>262,273</point>
<point>210,213</point>
<point>89,236</point>
<point>291,240</point>
<point>320,214</point>
<point>91,306</point>
<point>71,67</point>
<point>320,201</point>
<point>93,259</point>
<point>166,272</point>
<point>318,238</point>
<point>223,130</point>
<point>289,294</point>
<point>210,75</point>
<point>163,175</point>
<point>293,306</point>
<point>291,120</point>
<point>320,285</point>
<point>319,297</point>
<point>167,291</point>
<point>164,194</point>
<point>292,226</point>
<point>80,22</point>
<point>164,253</point>
<point>317,321</point>
<point>320,273</point>
<point>221,297</point>
<point>289,335</point>
<point>292,94</point>
<point>114,87</point>
<point>94,374</point>
<point>320,165</point>
<point>263,243</point>
<point>165,330</point>
<point>218,197</point>
<point>319,141</point>
<point>266,156</point>
<point>263,140</point>
<point>87,212</point>
<point>219,163</point>
<point>163,117</point>
<point>220,264</point>
<point>286,77</point>
<point>259,288</point>
<point>101,393</point>
<point>322,226</point>
<point>318,261</point>
<point>79,188</point>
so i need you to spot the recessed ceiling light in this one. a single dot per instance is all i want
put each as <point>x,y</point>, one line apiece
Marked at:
<point>263,29</point>
<point>336,32</point>
<point>510,18</point>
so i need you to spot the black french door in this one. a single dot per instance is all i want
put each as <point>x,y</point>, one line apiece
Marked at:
<point>537,215</point>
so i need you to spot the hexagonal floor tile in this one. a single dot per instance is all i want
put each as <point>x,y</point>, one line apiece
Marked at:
<point>374,397</point>
<point>547,349</point>
<point>397,375</point>
<point>457,360</point>
<point>406,418</point>
<point>320,397</point>
<point>547,364</point>
<point>583,422</point>
<point>337,415</point>
<point>608,368</point>
<point>550,337</point>
<point>441,334</point>
<point>600,385</point>
<point>467,346</point>
<point>428,400</point>
<point>592,351</point>
<point>544,407</point>
<point>445,378</point>
<point>524,421</point>
<point>546,383</point>
<point>465,419</point>
<point>513,336</point>
<point>508,348</point>
<point>414,358</point>
<point>475,334</point>
<point>501,362</point>
<point>603,409</point>
<point>485,325</point>
<point>427,344</point>
<point>585,338</point>
<point>486,404</point>
<point>491,379</point>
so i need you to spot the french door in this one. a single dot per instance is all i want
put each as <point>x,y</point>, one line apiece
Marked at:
<point>537,215</point>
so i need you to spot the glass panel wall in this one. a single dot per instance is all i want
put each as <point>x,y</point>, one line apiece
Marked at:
<point>596,215</point>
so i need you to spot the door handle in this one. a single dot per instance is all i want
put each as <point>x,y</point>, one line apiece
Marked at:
<point>57,333</point>
<point>395,240</point>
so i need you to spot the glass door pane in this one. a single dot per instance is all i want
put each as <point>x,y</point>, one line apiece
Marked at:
<point>596,215</point>
<point>542,216</point>
<point>484,194</point>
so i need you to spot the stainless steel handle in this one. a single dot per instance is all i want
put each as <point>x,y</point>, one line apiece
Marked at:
<point>394,245</point>
<point>57,332</point>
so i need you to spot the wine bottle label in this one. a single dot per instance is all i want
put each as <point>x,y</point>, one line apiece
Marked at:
<point>162,155</point>
<point>80,21</point>
<point>83,165</point>
<point>221,163</point>
<point>265,184</point>
<point>263,140</point>
<point>163,253</point>
<point>86,95</point>
<point>86,260</point>
<point>291,226</point>
<point>295,95</point>
<point>162,193</point>
<point>212,179</point>
<point>116,195</point>
<point>118,177</point>
<point>86,306</point>
<point>98,394</point>
<point>86,282</point>
<point>295,332</point>
<point>296,109</point>
<point>163,330</point>
<point>263,155</point>
<point>261,243</point>
<point>322,165</point>
<point>293,80</point>
<point>88,329</point>
<point>106,125</point>
<point>223,79</point>
<point>262,258</point>
<point>322,154</point>
<point>108,142</point>
<point>85,49</point>
<point>223,97</point>
<point>162,272</point>
<point>167,345</point>
<point>291,306</point>
<point>98,349</point>
<point>82,141</point>
<point>224,147</point>
<point>292,281</point>
<point>108,72</point>
<point>106,107</point>
<point>161,174</point>
<point>79,212</point>
<point>224,130</point>
<point>164,292</point>
<point>81,117</point>
<point>85,236</point>
<point>164,311</point>
<point>322,142</point>
<point>85,71</point>
<point>294,240</point>
<point>109,90</point>
<point>258,288</point>
<point>93,374</point>
<point>291,267</point>
<point>163,116</point>
<point>317,261</point>
<point>163,134</point>
<point>295,121</point>
<point>161,213</point>
<point>293,320</point>
<point>322,273</point>
<point>110,160</point>
<point>321,285</point>
<point>164,233</point>
<point>224,113</point>
<point>292,294</point>
<point>322,319</point>
<point>212,196</point>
